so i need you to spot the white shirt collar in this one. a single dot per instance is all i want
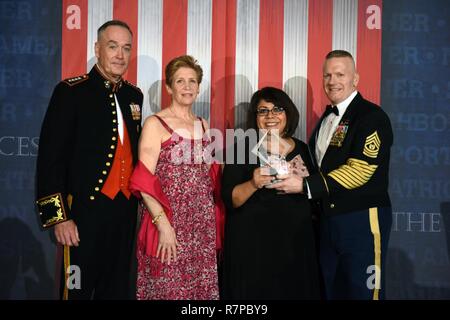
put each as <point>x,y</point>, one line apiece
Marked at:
<point>344,104</point>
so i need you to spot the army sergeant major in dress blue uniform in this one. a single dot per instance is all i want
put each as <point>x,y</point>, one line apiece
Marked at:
<point>351,145</point>
<point>352,149</point>
<point>88,147</point>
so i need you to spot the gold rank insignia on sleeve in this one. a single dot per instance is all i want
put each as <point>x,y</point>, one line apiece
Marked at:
<point>372,145</point>
<point>51,210</point>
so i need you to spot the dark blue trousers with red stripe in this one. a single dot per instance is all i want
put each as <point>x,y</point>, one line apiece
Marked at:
<point>353,249</point>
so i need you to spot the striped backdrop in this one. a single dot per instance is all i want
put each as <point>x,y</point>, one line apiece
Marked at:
<point>242,45</point>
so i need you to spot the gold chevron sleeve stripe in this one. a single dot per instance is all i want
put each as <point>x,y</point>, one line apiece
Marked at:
<point>374,137</point>
<point>375,229</point>
<point>353,174</point>
<point>357,162</point>
<point>371,154</point>
<point>372,145</point>
<point>344,180</point>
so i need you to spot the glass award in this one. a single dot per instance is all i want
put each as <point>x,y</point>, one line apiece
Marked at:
<point>269,158</point>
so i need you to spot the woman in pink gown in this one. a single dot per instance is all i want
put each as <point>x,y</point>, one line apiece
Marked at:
<point>181,216</point>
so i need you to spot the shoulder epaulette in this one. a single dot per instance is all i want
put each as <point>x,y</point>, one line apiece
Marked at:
<point>133,86</point>
<point>76,80</point>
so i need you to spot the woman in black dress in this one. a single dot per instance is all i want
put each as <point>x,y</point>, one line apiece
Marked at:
<point>269,248</point>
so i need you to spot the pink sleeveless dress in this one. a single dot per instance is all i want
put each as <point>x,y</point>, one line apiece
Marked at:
<point>186,183</point>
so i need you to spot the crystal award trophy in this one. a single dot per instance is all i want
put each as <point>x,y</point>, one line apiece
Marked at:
<point>269,158</point>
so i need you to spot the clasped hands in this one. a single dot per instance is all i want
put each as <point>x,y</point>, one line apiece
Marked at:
<point>290,183</point>
<point>286,183</point>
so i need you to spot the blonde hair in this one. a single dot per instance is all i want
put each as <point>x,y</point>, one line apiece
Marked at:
<point>180,62</point>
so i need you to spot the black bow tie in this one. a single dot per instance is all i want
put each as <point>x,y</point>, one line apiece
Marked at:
<point>331,109</point>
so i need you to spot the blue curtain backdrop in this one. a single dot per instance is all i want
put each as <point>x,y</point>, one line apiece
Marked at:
<point>30,66</point>
<point>415,93</point>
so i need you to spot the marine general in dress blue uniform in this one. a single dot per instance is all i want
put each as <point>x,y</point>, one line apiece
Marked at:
<point>87,150</point>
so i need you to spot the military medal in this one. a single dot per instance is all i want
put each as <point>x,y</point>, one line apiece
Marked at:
<point>135,111</point>
<point>339,135</point>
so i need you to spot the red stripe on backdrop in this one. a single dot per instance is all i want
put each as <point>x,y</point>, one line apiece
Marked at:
<point>74,38</point>
<point>218,47</point>
<point>230,62</point>
<point>174,37</point>
<point>127,11</point>
<point>271,28</point>
<point>320,25</point>
<point>223,64</point>
<point>73,63</point>
<point>369,49</point>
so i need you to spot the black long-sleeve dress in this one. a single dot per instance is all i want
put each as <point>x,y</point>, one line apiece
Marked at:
<point>269,250</point>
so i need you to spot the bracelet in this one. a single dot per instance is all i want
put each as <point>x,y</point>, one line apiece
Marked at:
<point>156,219</point>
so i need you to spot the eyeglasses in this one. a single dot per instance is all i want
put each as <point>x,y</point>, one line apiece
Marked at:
<point>264,112</point>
